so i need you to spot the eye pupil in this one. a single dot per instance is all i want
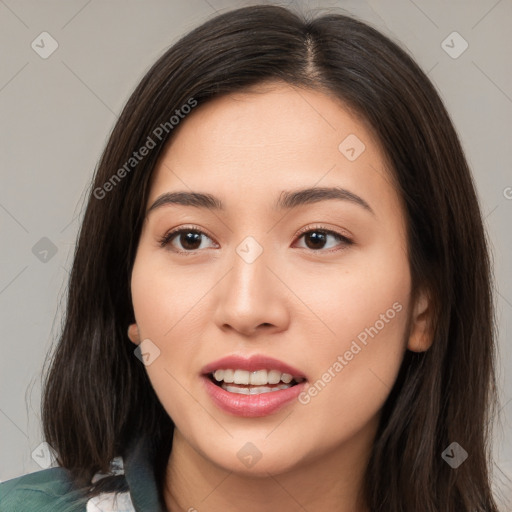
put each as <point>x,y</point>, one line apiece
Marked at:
<point>190,237</point>
<point>315,236</point>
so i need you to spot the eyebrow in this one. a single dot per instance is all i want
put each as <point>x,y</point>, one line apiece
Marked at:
<point>287,200</point>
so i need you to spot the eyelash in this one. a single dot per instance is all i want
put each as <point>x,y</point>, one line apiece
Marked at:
<point>167,238</point>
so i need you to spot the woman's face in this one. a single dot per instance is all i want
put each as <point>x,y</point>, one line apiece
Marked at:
<point>319,282</point>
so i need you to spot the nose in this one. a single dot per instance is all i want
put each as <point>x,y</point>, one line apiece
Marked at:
<point>251,298</point>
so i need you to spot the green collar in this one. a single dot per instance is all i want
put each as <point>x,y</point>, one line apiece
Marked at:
<point>140,475</point>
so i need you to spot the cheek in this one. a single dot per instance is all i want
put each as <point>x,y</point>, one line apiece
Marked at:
<point>357,362</point>
<point>367,288</point>
<point>169,311</point>
<point>164,299</point>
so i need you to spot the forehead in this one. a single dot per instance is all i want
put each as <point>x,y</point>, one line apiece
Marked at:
<point>272,138</point>
<point>277,117</point>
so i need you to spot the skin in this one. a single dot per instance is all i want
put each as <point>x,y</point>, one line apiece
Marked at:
<point>298,302</point>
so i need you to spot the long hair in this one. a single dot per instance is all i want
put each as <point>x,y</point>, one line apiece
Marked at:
<point>97,395</point>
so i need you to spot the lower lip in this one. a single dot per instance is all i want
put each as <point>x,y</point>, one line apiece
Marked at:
<point>262,404</point>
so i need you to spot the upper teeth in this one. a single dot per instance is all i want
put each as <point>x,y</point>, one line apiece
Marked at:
<point>257,378</point>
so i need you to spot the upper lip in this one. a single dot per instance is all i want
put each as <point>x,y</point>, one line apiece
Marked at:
<point>251,364</point>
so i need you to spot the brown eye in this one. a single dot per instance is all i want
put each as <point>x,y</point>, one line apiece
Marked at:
<point>316,239</point>
<point>190,239</point>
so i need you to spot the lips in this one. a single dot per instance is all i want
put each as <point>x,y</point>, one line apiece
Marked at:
<point>252,400</point>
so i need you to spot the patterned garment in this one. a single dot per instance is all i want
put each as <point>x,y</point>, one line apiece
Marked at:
<point>109,501</point>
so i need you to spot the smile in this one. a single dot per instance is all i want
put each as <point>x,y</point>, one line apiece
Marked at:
<point>252,386</point>
<point>253,383</point>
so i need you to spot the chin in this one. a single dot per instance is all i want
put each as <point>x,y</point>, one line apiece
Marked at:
<point>250,461</point>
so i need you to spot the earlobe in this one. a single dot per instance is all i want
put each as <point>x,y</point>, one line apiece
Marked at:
<point>133,334</point>
<point>420,336</point>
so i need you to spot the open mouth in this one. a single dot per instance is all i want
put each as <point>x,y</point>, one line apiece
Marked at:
<point>253,383</point>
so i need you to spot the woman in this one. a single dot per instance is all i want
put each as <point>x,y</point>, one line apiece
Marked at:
<point>280,297</point>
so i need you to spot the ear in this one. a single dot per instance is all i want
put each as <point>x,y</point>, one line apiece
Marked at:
<point>420,335</point>
<point>133,334</point>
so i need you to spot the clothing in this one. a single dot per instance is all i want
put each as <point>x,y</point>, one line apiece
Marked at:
<point>51,490</point>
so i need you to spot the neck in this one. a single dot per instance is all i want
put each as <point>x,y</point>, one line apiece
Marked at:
<point>330,481</point>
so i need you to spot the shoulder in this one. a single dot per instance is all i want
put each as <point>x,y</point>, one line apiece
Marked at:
<point>43,491</point>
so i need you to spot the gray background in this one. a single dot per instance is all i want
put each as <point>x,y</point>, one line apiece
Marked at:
<point>58,112</point>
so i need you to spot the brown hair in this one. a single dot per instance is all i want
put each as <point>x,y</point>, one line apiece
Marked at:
<point>97,394</point>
